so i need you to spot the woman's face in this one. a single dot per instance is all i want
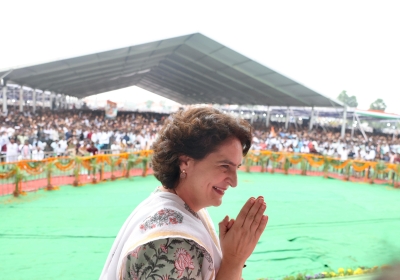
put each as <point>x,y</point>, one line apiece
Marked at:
<point>209,178</point>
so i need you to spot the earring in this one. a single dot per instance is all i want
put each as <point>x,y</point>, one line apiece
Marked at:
<point>183,174</point>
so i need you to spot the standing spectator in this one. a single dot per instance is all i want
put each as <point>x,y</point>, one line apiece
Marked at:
<point>12,150</point>
<point>304,149</point>
<point>55,147</point>
<point>397,158</point>
<point>63,146</point>
<point>115,148</point>
<point>37,153</point>
<point>344,153</point>
<point>92,149</point>
<point>22,137</point>
<point>26,151</point>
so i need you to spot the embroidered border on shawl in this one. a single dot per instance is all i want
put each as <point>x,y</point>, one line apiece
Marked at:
<point>205,253</point>
<point>209,228</point>
<point>163,217</point>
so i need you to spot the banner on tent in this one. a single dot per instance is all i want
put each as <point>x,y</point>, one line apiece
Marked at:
<point>111,110</point>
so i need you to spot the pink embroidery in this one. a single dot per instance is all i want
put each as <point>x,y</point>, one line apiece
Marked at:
<point>165,277</point>
<point>162,218</point>
<point>135,252</point>
<point>183,260</point>
<point>134,275</point>
<point>164,248</point>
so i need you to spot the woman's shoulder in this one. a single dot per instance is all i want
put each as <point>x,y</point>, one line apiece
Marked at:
<point>169,258</point>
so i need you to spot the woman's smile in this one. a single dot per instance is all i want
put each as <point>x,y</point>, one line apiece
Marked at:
<point>219,191</point>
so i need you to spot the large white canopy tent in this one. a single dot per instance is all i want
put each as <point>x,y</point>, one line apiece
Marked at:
<point>190,69</point>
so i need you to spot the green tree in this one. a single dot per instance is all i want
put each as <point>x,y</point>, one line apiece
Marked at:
<point>379,105</point>
<point>350,101</point>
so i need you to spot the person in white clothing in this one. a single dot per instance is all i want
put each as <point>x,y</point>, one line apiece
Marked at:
<point>104,140</point>
<point>37,154</point>
<point>25,151</point>
<point>115,148</point>
<point>12,150</point>
<point>63,146</point>
<point>385,148</point>
<point>364,153</point>
<point>344,154</point>
<point>372,154</point>
<point>54,145</point>
<point>304,149</point>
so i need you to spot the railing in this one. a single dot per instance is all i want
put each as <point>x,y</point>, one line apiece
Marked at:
<point>309,164</point>
<point>28,175</point>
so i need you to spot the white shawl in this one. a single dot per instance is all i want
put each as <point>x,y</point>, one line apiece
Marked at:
<point>163,215</point>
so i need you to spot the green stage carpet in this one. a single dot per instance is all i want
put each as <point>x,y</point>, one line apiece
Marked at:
<point>315,225</point>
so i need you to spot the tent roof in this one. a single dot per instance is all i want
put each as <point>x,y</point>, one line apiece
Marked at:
<point>188,69</point>
<point>305,112</point>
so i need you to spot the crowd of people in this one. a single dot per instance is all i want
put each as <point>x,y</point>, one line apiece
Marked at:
<point>46,133</point>
<point>329,143</point>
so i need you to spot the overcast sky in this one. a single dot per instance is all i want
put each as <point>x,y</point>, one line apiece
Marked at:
<point>328,46</point>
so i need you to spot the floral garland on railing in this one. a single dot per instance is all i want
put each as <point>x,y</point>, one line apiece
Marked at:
<point>8,174</point>
<point>49,165</point>
<point>278,159</point>
<point>32,167</point>
<point>64,163</point>
<point>285,160</point>
<point>318,161</point>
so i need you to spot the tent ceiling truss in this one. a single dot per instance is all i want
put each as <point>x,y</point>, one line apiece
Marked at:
<point>189,69</point>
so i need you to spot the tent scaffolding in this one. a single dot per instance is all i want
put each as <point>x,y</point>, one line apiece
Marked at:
<point>190,69</point>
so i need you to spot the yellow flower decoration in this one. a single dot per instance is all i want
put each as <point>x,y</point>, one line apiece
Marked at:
<point>358,271</point>
<point>341,270</point>
<point>333,274</point>
<point>349,271</point>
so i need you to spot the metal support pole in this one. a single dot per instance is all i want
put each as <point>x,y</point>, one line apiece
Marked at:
<point>51,100</point>
<point>21,99</point>
<point>287,118</point>
<point>268,116</point>
<point>34,100</point>
<point>43,100</point>
<point>360,127</point>
<point>294,118</point>
<point>344,122</point>
<point>352,127</point>
<point>5,99</point>
<point>311,119</point>
<point>61,101</point>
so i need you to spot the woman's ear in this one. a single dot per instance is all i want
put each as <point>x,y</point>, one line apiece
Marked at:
<point>184,162</point>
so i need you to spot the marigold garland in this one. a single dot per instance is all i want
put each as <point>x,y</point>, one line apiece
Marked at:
<point>86,164</point>
<point>318,161</point>
<point>65,167</point>
<point>253,157</point>
<point>6,175</point>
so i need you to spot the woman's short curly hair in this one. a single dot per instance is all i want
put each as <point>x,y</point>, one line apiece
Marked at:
<point>194,132</point>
